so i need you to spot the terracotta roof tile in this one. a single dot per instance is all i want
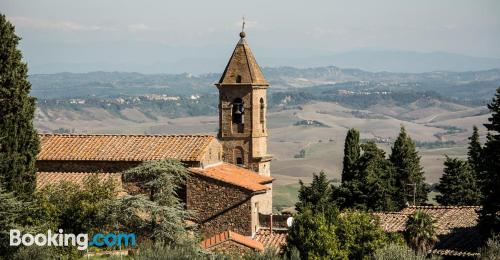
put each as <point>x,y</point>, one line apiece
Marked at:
<point>235,175</point>
<point>231,236</point>
<point>123,147</point>
<point>456,227</point>
<point>48,178</point>
<point>275,239</point>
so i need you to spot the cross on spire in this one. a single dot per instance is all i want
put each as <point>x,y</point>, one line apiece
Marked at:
<point>243,25</point>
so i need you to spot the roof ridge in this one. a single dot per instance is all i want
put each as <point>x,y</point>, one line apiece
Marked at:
<point>145,135</point>
<point>442,207</point>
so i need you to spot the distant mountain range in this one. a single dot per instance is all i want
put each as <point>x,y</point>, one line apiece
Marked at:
<point>210,59</point>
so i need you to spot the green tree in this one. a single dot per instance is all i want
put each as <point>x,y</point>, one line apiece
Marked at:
<point>352,152</point>
<point>377,179</point>
<point>373,188</point>
<point>72,207</point>
<point>156,212</point>
<point>474,153</point>
<point>19,142</point>
<point>420,232</point>
<point>406,160</point>
<point>10,212</point>
<point>314,236</point>
<point>458,185</point>
<point>489,217</point>
<point>397,252</point>
<point>315,196</point>
<point>359,234</point>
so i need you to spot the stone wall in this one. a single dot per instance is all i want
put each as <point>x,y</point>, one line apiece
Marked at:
<point>219,206</point>
<point>92,166</point>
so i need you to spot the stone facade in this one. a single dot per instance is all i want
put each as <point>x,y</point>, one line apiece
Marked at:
<point>219,206</point>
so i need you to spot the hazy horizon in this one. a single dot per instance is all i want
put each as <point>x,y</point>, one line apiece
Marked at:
<point>198,37</point>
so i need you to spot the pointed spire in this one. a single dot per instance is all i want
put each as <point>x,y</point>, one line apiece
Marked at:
<point>242,67</point>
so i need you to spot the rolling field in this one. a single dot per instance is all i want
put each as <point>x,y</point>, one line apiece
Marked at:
<point>323,145</point>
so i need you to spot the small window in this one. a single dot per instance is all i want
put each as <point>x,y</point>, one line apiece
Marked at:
<point>238,78</point>
<point>239,161</point>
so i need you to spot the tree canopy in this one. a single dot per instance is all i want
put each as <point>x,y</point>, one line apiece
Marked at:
<point>19,142</point>
<point>458,186</point>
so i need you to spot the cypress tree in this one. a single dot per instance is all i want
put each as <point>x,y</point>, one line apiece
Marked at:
<point>351,155</point>
<point>458,185</point>
<point>18,138</point>
<point>489,217</point>
<point>405,158</point>
<point>376,180</point>
<point>474,151</point>
<point>315,196</point>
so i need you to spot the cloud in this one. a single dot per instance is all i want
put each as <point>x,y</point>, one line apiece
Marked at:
<point>27,22</point>
<point>139,27</point>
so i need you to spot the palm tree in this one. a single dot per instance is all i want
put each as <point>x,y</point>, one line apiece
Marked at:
<point>420,232</point>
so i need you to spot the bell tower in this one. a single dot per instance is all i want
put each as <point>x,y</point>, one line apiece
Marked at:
<point>242,111</point>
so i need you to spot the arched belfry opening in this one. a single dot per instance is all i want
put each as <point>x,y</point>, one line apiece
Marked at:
<point>238,156</point>
<point>238,114</point>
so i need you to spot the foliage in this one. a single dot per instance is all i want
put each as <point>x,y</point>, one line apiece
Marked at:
<point>19,142</point>
<point>397,252</point>
<point>74,208</point>
<point>359,234</point>
<point>406,160</point>
<point>377,176</point>
<point>352,152</point>
<point>474,153</point>
<point>160,250</point>
<point>267,254</point>
<point>314,236</point>
<point>372,186</point>
<point>36,252</point>
<point>420,232</point>
<point>491,250</point>
<point>489,217</point>
<point>10,209</point>
<point>316,196</point>
<point>159,179</point>
<point>330,235</point>
<point>159,215</point>
<point>458,185</point>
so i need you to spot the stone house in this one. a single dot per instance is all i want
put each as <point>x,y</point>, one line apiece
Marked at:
<point>230,182</point>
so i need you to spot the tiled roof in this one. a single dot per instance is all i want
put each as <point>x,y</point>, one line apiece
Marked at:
<point>47,178</point>
<point>456,227</point>
<point>123,147</point>
<point>235,175</point>
<point>242,64</point>
<point>275,239</point>
<point>231,236</point>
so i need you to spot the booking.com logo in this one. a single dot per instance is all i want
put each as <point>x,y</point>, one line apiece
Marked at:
<point>81,241</point>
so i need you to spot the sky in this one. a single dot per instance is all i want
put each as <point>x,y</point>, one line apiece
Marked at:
<point>124,32</point>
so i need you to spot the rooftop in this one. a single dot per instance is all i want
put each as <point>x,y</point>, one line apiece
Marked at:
<point>275,239</point>
<point>242,67</point>
<point>72,147</point>
<point>235,175</point>
<point>456,227</point>
<point>231,236</point>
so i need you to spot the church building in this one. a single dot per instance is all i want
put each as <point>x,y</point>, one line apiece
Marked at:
<point>230,184</point>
